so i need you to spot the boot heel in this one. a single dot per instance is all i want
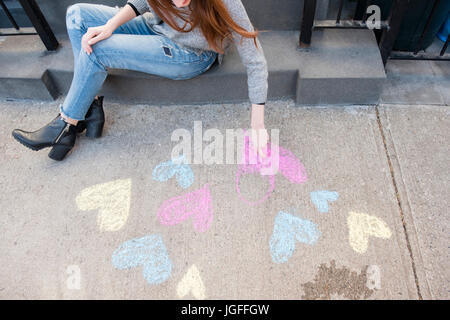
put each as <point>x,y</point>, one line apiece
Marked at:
<point>81,127</point>
<point>94,129</point>
<point>59,151</point>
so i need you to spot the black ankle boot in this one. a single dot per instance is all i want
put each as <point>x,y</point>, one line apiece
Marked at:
<point>57,134</point>
<point>94,119</point>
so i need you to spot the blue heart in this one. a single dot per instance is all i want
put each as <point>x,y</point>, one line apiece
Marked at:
<point>149,252</point>
<point>322,197</point>
<point>286,231</point>
<point>165,170</point>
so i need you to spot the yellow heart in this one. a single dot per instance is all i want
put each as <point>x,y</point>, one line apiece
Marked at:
<point>192,282</point>
<point>361,226</point>
<point>112,199</point>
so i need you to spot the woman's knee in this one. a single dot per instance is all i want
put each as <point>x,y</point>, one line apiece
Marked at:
<point>75,14</point>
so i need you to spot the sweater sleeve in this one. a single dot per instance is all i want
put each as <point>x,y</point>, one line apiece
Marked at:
<point>139,6</point>
<point>252,58</point>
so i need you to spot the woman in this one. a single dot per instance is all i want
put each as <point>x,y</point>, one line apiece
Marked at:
<point>176,39</point>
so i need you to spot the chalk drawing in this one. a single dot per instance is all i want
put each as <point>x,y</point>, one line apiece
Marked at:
<point>288,229</point>
<point>182,171</point>
<point>111,199</point>
<point>322,197</point>
<point>361,226</point>
<point>252,164</point>
<point>148,252</point>
<point>197,204</point>
<point>192,283</point>
<point>252,169</point>
<point>289,166</point>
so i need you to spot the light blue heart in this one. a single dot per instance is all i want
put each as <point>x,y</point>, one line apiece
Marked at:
<point>287,230</point>
<point>148,252</point>
<point>166,170</point>
<point>322,197</point>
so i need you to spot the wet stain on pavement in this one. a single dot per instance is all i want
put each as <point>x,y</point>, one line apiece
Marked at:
<point>331,282</point>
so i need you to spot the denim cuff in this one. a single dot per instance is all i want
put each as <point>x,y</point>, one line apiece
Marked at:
<point>61,111</point>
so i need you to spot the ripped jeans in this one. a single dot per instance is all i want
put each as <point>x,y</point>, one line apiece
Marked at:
<point>133,46</point>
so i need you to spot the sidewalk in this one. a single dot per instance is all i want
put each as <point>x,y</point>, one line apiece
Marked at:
<point>385,235</point>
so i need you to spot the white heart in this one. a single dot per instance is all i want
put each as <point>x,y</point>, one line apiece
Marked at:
<point>361,226</point>
<point>111,199</point>
<point>192,283</point>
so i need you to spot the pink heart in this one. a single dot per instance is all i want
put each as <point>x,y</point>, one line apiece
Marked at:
<point>252,165</point>
<point>289,165</point>
<point>196,204</point>
<point>251,169</point>
<point>291,168</point>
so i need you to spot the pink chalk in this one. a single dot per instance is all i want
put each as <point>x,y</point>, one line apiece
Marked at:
<point>196,204</point>
<point>252,165</point>
<point>249,169</point>
<point>291,168</point>
<point>288,164</point>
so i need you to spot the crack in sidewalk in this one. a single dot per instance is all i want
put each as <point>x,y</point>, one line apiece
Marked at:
<point>397,195</point>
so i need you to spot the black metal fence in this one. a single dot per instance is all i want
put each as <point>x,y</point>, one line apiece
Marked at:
<point>389,28</point>
<point>40,25</point>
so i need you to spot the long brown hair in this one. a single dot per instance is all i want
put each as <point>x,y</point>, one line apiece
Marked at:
<point>211,16</point>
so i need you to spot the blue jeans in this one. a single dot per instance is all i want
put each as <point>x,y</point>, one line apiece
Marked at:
<point>132,46</point>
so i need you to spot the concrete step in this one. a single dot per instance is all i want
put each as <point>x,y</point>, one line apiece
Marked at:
<point>341,67</point>
<point>24,72</point>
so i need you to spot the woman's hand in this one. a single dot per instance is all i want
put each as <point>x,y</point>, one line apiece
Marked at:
<point>260,140</point>
<point>94,35</point>
<point>259,136</point>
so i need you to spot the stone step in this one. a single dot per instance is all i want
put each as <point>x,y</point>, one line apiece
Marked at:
<point>341,67</point>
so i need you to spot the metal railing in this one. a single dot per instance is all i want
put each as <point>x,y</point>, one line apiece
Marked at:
<point>40,25</point>
<point>390,28</point>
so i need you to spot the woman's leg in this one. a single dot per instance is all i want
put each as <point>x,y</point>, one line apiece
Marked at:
<point>132,46</point>
<point>81,16</point>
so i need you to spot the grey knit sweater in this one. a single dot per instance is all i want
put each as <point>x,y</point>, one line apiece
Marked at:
<point>252,58</point>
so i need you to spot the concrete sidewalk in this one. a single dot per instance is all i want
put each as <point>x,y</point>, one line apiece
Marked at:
<point>371,221</point>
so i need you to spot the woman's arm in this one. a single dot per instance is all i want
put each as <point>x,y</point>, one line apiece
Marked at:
<point>257,116</point>
<point>96,34</point>
<point>140,6</point>
<point>123,16</point>
<point>257,124</point>
<point>253,59</point>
